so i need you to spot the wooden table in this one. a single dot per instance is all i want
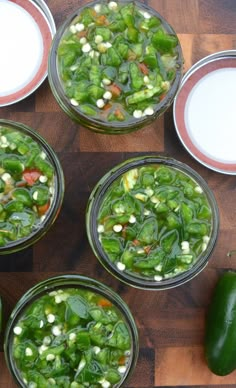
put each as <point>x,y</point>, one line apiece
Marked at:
<point>170,323</point>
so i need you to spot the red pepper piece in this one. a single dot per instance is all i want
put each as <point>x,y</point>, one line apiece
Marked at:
<point>43,209</point>
<point>31,176</point>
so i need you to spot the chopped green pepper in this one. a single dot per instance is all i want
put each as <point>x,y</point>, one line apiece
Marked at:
<point>26,185</point>
<point>117,52</point>
<point>150,227</point>
<point>92,350</point>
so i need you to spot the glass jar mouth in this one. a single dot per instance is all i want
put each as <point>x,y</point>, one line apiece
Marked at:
<point>65,282</point>
<point>93,207</point>
<point>58,184</point>
<point>103,126</point>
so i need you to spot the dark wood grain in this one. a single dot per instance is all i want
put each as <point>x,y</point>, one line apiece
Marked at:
<point>171,323</point>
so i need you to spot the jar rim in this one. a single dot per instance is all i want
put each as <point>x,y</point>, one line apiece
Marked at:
<point>99,125</point>
<point>94,204</point>
<point>70,281</point>
<point>59,185</point>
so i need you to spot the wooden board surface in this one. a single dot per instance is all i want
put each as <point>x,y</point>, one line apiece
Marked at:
<point>171,323</point>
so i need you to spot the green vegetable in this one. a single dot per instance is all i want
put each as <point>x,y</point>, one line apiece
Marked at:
<point>220,337</point>
<point>136,76</point>
<point>164,42</point>
<point>13,166</point>
<point>71,338</point>
<point>149,227</point>
<point>78,305</point>
<point>26,185</point>
<point>142,95</point>
<point>122,52</point>
<point>113,58</point>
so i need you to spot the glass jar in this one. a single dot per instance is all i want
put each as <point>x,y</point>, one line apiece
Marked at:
<point>113,265</point>
<point>44,215</point>
<point>98,122</point>
<point>59,284</point>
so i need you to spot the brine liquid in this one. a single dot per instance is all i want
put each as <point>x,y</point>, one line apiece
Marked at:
<point>210,115</point>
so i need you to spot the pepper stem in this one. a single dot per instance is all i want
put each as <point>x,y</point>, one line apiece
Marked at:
<point>231,253</point>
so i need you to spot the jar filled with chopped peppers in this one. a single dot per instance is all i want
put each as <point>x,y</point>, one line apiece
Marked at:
<point>115,66</point>
<point>71,331</point>
<point>152,222</point>
<point>31,186</point>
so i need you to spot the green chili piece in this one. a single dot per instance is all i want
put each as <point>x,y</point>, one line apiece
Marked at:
<point>186,213</point>
<point>173,221</point>
<point>112,221</point>
<point>23,148</point>
<point>57,350</point>
<point>22,218</point>
<point>165,175</point>
<point>14,206</point>
<point>123,50</point>
<point>69,58</point>
<point>151,261</point>
<point>23,196</point>
<point>142,95</point>
<point>110,72</point>
<point>127,14</point>
<point>113,58</point>
<point>132,34</point>
<point>147,180</point>
<point>169,240</point>
<point>67,47</point>
<point>164,42</point>
<point>95,75</point>
<point>104,32</point>
<point>83,340</point>
<point>127,258</point>
<point>151,61</point>
<point>44,166</point>
<point>123,73</point>
<point>80,95</point>
<point>78,305</point>
<point>31,158</point>
<point>113,376</point>
<point>37,378</point>
<point>120,337</point>
<point>136,76</point>
<point>111,246</point>
<point>204,213</point>
<point>137,49</point>
<point>117,26</point>
<point>13,166</point>
<point>125,206</point>
<point>197,228</point>
<point>130,233</point>
<point>95,92</point>
<point>87,16</point>
<point>88,110</point>
<point>41,195</point>
<point>148,232</point>
<point>98,315</point>
<point>151,23</point>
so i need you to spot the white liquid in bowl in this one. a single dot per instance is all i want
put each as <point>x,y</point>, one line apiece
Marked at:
<point>210,115</point>
<point>21,48</point>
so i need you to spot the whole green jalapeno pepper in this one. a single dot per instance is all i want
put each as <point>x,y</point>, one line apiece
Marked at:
<point>220,336</point>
